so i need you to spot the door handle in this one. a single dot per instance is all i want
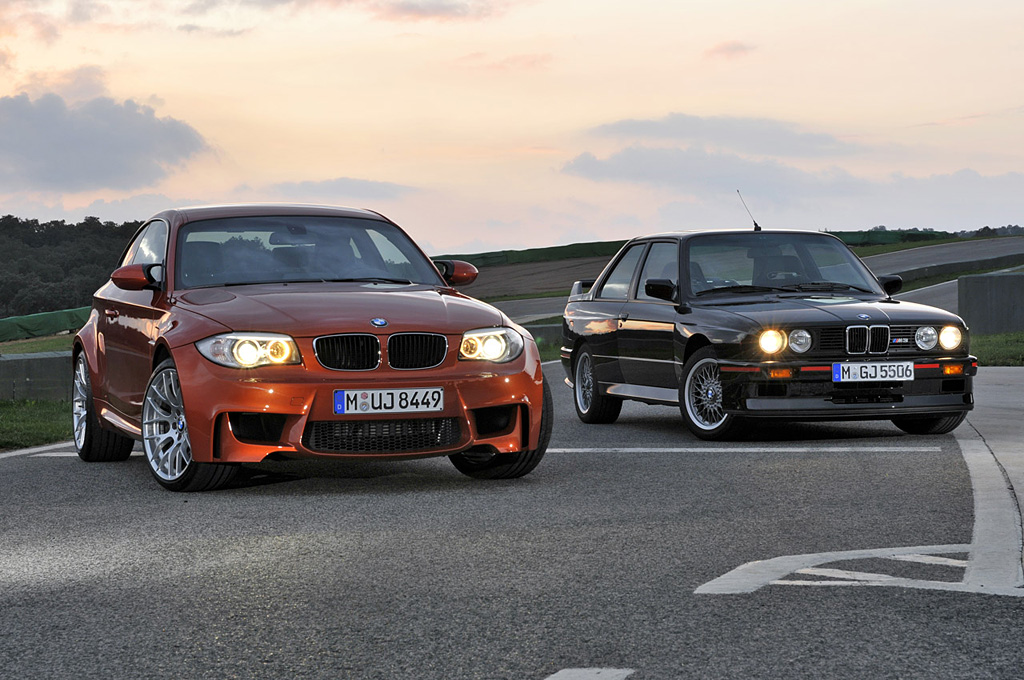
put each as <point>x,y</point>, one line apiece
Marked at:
<point>111,313</point>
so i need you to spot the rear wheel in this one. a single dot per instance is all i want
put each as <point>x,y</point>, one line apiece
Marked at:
<point>700,397</point>
<point>93,443</point>
<point>940,425</point>
<point>509,465</point>
<point>592,406</point>
<point>165,438</point>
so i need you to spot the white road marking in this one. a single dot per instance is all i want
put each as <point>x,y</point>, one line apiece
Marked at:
<point>931,559</point>
<point>750,449</point>
<point>36,449</point>
<point>592,674</point>
<point>56,454</point>
<point>995,554</point>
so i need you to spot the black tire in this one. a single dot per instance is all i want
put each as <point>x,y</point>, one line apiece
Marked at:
<point>700,397</point>
<point>165,438</point>
<point>591,406</point>
<point>509,465</point>
<point>94,443</point>
<point>937,425</point>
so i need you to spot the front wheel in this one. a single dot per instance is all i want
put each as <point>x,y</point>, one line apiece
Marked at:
<point>940,425</point>
<point>509,465</point>
<point>165,438</point>
<point>700,397</point>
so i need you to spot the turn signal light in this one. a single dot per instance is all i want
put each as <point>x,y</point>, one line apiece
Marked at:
<point>952,369</point>
<point>780,372</point>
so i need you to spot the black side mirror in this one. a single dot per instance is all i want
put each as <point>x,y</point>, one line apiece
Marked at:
<point>662,289</point>
<point>891,284</point>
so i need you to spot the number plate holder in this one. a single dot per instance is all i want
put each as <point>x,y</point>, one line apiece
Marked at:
<point>366,402</point>
<point>873,371</point>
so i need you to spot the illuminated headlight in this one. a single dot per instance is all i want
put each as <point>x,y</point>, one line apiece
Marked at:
<point>249,350</point>
<point>926,337</point>
<point>950,337</point>
<point>771,342</point>
<point>491,344</point>
<point>799,341</point>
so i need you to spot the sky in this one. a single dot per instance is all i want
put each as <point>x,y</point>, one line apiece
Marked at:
<point>490,124</point>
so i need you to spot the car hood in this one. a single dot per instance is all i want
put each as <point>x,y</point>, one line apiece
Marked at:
<point>322,308</point>
<point>823,311</point>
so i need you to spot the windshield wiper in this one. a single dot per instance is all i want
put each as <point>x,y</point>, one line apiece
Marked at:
<point>370,279</point>
<point>740,288</point>
<point>815,286</point>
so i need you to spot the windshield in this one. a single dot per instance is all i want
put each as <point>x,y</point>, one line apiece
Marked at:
<point>788,262</point>
<point>240,250</point>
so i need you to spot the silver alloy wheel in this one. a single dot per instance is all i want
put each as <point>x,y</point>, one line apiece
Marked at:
<point>164,429</point>
<point>584,383</point>
<point>703,395</point>
<point>80,401</point>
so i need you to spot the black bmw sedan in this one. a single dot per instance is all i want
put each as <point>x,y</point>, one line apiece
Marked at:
<point>735,325</point>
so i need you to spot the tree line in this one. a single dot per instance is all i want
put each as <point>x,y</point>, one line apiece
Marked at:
<point>48,266</point>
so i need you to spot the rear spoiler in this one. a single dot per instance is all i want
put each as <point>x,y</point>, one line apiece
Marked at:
<point>581,289</point>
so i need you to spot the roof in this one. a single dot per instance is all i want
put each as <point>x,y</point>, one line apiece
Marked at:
<point>179,216</point>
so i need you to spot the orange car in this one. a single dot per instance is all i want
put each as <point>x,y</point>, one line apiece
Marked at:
<point>233,334</point>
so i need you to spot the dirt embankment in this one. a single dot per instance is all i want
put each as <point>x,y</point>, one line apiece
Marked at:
<point>533,277</point>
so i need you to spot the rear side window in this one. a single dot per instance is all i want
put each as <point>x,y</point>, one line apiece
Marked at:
<point>616,286</point>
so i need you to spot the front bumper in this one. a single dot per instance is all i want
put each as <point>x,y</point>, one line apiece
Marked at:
<point>244,416</point>
<point>807,391</point>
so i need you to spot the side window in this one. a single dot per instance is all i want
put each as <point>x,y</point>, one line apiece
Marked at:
<point>662,263</point>
<point>149,247</point>
<point>616,286</point>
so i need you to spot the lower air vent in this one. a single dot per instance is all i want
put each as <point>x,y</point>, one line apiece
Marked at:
<point>382,436</point>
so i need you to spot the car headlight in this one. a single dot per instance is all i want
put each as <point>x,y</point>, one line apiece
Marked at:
<point>799,341</point>
<point>249,350</point>
<point>491,344</point>
<point>950,337</point>
<point>771,342</point>
<point>926,337</point>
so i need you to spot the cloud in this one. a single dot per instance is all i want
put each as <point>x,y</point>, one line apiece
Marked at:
<point>401,10</point>
<point>46,145</point>
<point>696,172</point>
<point>76,85</point>
<point>762,136</point>
<point>729,50</point>
<point>340,187</point>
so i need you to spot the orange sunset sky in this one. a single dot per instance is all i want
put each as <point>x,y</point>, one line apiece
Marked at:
<point>487,124</point>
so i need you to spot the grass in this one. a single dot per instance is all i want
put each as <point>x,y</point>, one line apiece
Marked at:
<point>25,423</point>
<point>1000,349</point>
<point>52,343</point>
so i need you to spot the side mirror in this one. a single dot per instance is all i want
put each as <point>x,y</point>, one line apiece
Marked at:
<point>456,272</point>
<point>662,289</point>
<point>137,276</point>
<point>891,284</point>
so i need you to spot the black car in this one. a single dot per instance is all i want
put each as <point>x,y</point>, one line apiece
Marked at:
<point>732,325</point>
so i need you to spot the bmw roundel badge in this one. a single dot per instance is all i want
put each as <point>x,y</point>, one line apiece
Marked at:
<point>864,317</point>
<point>379,322</point>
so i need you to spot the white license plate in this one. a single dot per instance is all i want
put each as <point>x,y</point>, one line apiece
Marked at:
<point>873,371</point>
<point>424,399</point>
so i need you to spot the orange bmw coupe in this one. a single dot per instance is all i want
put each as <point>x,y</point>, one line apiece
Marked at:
<point>234,334</point>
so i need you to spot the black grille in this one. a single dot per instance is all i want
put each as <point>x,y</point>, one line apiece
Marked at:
<point>867,339</point>
<point>831,340</point>
<point>416,350</point>
<point>903,338</point>
<point>351,352</point>
<point>382,436</point>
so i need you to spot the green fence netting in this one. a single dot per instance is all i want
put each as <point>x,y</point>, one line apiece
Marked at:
<point>44,323</point>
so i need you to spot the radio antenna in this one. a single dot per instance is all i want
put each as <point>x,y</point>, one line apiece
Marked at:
<point>757,227</point>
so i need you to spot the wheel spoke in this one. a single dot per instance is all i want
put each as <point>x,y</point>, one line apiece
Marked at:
<point>165,432</point>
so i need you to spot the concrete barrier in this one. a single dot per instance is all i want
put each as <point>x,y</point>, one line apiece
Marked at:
<point>992,303</point>
<point>44,376</point>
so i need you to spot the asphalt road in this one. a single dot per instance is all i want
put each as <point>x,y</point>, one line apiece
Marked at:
<point>587,568</point>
